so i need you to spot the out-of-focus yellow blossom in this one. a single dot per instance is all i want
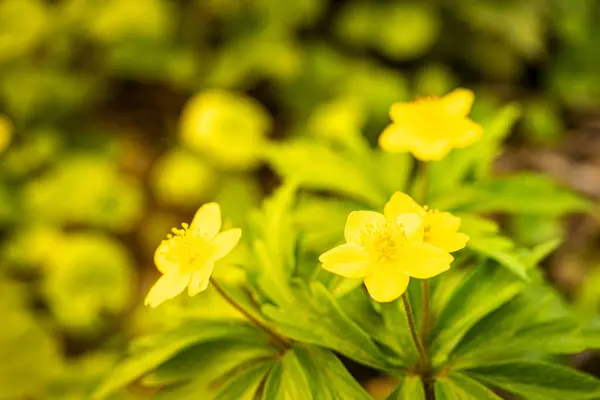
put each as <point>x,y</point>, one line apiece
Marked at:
<point>440,228</point>
<point>228,128</point>
<point>182,178</point>
<point>431,126</point>
<point>386,250</point>
<point>187,257</point>
<point>5,132</point>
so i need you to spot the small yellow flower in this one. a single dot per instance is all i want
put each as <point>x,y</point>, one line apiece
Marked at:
<point>440,228</point>
<point>430,127</point>
<point>386,250</point>
<point>187,257</point>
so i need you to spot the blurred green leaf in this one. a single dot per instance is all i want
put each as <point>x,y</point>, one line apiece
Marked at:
<point>88,274</point>
<point>29,355</point>
<point>333,172</point>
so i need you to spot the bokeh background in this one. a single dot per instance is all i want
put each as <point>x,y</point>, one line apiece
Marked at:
<point>119,118</point>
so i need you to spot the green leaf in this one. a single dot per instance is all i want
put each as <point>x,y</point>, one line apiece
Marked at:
<point>342,385</point>
<point>309,372</point>
<point>318,234</point>
<point>411,388</point>
<point>484,239</point>
<point>538,380</point>
<point>244,385</point>
<point>535,321</point>
<point>154,351</point>
<point>461,387</point>
<point>483,291</point>
<point>208,360</point>
<point>315,317</point>
<point>317,166</point>
<point>452,171</point>
<point>273,389</point>
<point>370,316</point>
<point>298,376</point>
<point>496,130</point>
<point>273,242</point>
<point>524,193</point>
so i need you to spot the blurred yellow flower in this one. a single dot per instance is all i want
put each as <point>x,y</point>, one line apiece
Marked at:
<point>432,126</point>
<point>227,127</point>
<point>5,132</point>
<point>386,250</point>
<point>187,257</point>
<point>440,228</point>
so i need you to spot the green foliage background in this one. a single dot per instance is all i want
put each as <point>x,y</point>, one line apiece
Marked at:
<point>100,168</point>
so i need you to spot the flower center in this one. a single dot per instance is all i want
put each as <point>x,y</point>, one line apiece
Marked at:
<point>186,248</point>
<point>383,239</point>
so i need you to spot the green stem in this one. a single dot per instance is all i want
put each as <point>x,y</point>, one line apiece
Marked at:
<point>278,340</point>
<point>426,319</point>
<point>423,173</point>
<point>423,360</point>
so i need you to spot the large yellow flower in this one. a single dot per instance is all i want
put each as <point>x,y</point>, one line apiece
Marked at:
<point>386,250</point>
<point>187,257</point>
<point>430,127</point>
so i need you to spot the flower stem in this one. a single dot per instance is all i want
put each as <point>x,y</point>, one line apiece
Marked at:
<point>423,173</point>
<point>424,368</point>
<point>426,319</point>
<point>277,339</point>
<point>423,360</point>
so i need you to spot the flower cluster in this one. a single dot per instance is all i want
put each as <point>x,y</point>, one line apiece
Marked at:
<point>406,241</point>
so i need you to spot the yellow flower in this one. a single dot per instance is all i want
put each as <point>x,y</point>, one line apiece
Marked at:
<point>386,250</point>
<point>187,257</point>
<point>440,228</point>
<point>228,128</point>
<point>430,127</point>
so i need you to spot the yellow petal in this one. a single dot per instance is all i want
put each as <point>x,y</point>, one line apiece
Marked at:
<point>200,279</point>
<point>396,138</point>
<point>470,132</point>
<point>224,242</point>
<point>431,149</point>
<point>400,111</point>
<point>458,102</point>
<point>160,257</point>
<point>423,260</point>
<point>386,283</point>
<point>413,226</point>
<point>448,241</point>
<point>399,204</point>
<point>168,286</point>
<point>207,221</point>
<point>349,260</point>
<point>442,221</point>
<point>356,222</point>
